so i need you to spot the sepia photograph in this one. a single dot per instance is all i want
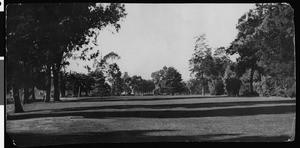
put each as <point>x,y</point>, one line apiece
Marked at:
<point>93,73</point>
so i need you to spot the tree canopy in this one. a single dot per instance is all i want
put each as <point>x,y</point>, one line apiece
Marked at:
<point>41,36</point>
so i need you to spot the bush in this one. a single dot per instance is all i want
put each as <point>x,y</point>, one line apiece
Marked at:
<point>291,92</point>
<point>280,92</point>
<point>245,85</point>
<point>265,87</point>
<point>232,86</point>
<point>156,91</point>
<point>285,87</point>
<point>231,81</point>
<point>289,85</point>
<point>245,90</point>
<point>216,87</point>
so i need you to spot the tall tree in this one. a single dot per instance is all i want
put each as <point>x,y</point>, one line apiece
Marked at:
<point>265,42</point>
<point>115,79</point>
<point>201,63</point>
<point>127,83</point>
<point>20,48</point>
<point>246,45</point>
<point>136,84</point>
<point>50,31</point>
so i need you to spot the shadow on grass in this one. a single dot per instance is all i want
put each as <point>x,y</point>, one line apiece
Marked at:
<point>244,111</point>
<point>170,106</point>
<point>137,98</point>
<point>282,138</point>
<point>34,139</point>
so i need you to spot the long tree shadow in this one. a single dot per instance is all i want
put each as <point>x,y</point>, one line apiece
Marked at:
<point>186,105</point>
<point>282,138</point>
<point>170,106</point>
<point>138,98</point>
<point>244,111</point>
<point>125,136</point>
<point>26,139</point>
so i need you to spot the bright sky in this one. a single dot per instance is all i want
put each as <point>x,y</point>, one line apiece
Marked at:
<point>157,35</point>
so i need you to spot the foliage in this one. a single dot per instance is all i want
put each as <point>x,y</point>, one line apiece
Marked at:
<point>208,68</point>
<point>231,81</point>
<point>167,80</point>
<point>194,86</point>
<point>99,86</point>
<point>216,86</point>
<point>127,84</point>
<point>265,43</point>
<point>79,82</point>
<point>48,33</point>
<point>147,86</point>
<point>114,77</point>
<point>185,88</point>
<point>246,82</point>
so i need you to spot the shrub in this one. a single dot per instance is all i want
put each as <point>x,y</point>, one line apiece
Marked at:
<point>156,91</point>
<point>265,87</point>
<point>289,85</point>
<point>245,84</point>
<point>231,82</point>
<point>291,92</point>
<point>284,88</point>
<point>216,87</point>
<point>232,86</point>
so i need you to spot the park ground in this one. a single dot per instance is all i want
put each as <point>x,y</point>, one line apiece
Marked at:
<point>153,119</point>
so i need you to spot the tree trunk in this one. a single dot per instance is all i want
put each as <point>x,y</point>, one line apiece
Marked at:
<point>55,83</point>
<point>79,92</point>
<point>251,80</point>
<point>62,85</point>
<point>86,92</point>
<point>294,57</point>
<point>26,94</point>
<point>33,94</point>
<point>202,90</point>
<point>48,87</point>
<point>17,101</point>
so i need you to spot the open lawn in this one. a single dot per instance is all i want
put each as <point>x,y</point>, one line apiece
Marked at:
<point>152,119</point>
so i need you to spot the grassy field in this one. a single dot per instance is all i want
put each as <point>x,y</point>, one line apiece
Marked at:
<point>153,119</point>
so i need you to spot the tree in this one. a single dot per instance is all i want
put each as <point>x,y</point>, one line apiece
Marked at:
<point>111,72</point>
<point>246,46</point>
<point>115,79</point>
<point>196,63</point>
<point>89,18</point>
<point>136,84</point>
<point>202,63</point>
<point>277,32</point>
<point>158,80</point>
<point>147,86</point>
<point>167,80</point>
<point>98,85</point>
<point>78,83</point>
<point>194,86</point>
<point>265,43</point>
<point>150,86</point>
<point>49,32</point>
<point>20,47</point>
<point>231,80</point>
<point>127,83</point>
<point>172,81</point>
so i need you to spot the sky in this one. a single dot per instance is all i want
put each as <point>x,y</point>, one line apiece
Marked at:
<point>156,35</point>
